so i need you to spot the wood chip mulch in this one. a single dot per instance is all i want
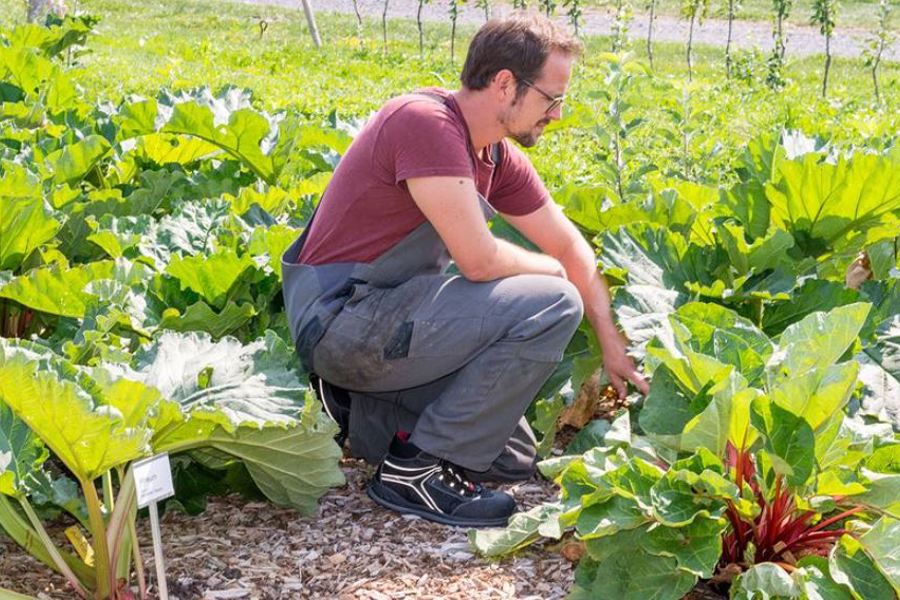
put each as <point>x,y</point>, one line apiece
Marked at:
<point>351,549</point>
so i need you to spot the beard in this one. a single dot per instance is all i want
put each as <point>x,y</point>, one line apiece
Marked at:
<point>529,137</point>
<point>525,137</point>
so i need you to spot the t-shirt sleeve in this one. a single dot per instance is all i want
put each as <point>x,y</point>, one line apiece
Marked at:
<point>420,139</point>
<point>518,189</point>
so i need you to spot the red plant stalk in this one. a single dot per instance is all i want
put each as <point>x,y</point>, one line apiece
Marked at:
<point>781,532</point>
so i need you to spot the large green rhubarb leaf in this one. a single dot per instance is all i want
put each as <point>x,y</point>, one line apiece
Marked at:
<point>241,136</point>
<point>816,581</point>
<point>26,224</point>
<point>692,488</point>
<point>813,296</point>
<point>643,310</point>
<point>718,332</point>
<point>788,440</point>
<point>190,230</point>
<point>762,254</point>
<point>696,547</point>
<point>817,341</point>
<point>21,453</point>
<point>57,290</point>
<point>881,544</point>
<point>653,256</point>
<point>696,401</point>
<point>246,401</point>
<point>765,581</point>
<point>200,317</point>
<point>272,242</point>
<point>818,396</point>
<point>89,438</point>
<point>610,517</point>
<point>820,203</point>
<point>120,235</point>
<point>524,528</point>
<point>886,348</point>
<point>263,143</point>
<point>631,575</point>
<point>851,566</point>
<point>70,164</point>
<point>211,276</point>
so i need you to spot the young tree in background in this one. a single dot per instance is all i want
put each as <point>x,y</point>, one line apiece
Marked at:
<point>574,13</point>
<point>695,10</point>
<point>621,24</point>
<point>733,7</point>
<point>824,13</point>
<point>881,39</point>
<point>420,27</point>
<point>484,5</point>
<point>651,6</point>
<point>384,41</point>
<point>775,76</point>
<point>454,16</point>
<point>359,24</point>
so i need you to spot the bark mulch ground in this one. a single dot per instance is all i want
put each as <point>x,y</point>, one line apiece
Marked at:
<point>351,549</point>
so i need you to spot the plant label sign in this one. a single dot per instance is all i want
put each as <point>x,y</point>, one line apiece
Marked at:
<point>153,480</point>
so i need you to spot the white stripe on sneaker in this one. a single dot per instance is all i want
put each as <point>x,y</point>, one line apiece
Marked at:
<point>324,403</point>
<point>415,482</point>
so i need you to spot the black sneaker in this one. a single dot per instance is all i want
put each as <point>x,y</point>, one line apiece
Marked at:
<point>411,481</point>
<point>336,402</point>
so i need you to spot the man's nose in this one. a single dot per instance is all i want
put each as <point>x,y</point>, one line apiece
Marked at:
<point>556,113</point>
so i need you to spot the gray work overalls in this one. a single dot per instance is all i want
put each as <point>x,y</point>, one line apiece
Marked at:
<point>453,361</point>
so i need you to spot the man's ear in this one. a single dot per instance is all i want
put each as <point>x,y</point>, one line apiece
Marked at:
<point>504,83</point>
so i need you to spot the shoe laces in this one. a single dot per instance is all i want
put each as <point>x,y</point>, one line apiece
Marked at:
<point>454,479</point>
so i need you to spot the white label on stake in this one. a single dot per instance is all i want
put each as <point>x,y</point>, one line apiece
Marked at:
<point>153,479</point>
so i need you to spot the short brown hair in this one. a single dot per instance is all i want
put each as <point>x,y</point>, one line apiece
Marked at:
<point>521,43</point>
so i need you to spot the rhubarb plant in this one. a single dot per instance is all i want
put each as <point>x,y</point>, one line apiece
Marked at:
<point>747,470</point>
<point>223,400</point>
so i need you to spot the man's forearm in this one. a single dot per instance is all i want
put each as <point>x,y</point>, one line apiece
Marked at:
<point>581,269</point>
<point>509,259</point>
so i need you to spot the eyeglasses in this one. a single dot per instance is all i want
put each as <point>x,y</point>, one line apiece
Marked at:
<point>555,101</point>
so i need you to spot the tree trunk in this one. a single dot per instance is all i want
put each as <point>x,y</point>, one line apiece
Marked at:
<point>384,28</point>
<point>728,42</point>
<point>690,48</point>
<point>779,40</point>
<point>311,21</point>
<point>359,24</point>
<point>827,65</point>
<point>875,73</point>
<point>453,38</point>
<point>650,32</point>
<point>421,30</point>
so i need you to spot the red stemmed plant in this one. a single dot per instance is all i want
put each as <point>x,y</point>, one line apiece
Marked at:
<point>781,532</point>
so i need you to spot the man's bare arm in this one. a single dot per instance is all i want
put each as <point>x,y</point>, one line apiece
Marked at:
<point>451,205</point>
<point>550,230</point>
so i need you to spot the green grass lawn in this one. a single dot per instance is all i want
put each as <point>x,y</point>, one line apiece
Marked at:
<point>183,44</point>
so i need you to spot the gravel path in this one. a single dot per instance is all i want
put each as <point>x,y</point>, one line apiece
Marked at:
<point>802,40</point>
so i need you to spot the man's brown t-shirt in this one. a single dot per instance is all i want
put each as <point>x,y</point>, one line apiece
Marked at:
<point>367,209</point>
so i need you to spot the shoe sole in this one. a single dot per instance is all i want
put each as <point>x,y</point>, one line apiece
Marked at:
<point>408,509</point>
